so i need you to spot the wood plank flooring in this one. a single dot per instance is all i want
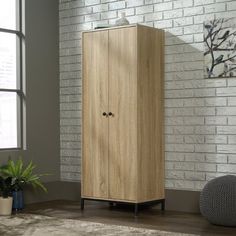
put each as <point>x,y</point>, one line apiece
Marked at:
<point>150,217</point>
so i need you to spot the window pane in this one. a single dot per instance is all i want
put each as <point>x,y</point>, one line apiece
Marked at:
<point>8,120</point>
<point>8,60</point>
<point>8,14</point>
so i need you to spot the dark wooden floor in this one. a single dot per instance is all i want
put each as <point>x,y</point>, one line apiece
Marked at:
<point>151,217</point>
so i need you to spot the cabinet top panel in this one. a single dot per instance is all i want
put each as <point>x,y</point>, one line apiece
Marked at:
<point>118,27</point>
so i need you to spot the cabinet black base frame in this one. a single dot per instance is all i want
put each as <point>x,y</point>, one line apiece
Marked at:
<point>136,205</point>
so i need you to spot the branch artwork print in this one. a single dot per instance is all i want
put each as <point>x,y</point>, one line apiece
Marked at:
<point>220,47</point>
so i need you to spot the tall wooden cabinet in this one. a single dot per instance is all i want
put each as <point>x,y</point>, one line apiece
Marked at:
<point>122,134</point>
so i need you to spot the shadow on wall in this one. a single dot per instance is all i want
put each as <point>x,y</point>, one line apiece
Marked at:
<point>196,125</point>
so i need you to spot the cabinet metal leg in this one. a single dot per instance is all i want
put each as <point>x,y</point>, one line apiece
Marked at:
<point>82,204</point>
<point>136,205</point>
<point>136,209</point>
<point>163,205</point>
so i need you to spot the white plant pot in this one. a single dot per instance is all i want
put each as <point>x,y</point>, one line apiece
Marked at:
<point>5,206</point>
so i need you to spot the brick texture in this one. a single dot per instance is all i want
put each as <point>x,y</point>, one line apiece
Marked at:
<point>200,114</point>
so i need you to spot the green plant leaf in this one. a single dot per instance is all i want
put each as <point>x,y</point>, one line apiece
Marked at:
<point>11,166</point>
<point>28,170</point>
<point>19,166</point>
<point>33,178</point>
<point>39,184</point>
<point>6,172</point>
<point>21,175</point>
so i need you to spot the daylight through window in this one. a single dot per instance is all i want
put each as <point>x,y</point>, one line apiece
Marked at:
<point>10,74</point>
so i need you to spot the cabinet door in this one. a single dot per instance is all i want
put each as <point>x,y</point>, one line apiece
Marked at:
<point>95,125</point>
<point>123,105</point>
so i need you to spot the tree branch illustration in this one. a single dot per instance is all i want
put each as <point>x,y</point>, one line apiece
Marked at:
<point>210,27</point>
<point>224,49</point>
<point>219,37</point>
<point>225,72</point>
<point>224,39</point>
<point>223,61</point>
<point>214,29</point>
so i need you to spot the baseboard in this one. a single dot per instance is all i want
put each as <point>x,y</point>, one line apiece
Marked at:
<point>182,200</point>
<point>57,190</point>
<point>176,200</point>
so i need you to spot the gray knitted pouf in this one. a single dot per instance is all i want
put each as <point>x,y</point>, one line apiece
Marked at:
<point>218,201</point>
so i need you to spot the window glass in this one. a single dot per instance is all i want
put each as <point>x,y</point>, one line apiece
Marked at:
<point>8,120</point>
<point>11,94</point>
<point>8,19</point>
<point>8,60</point>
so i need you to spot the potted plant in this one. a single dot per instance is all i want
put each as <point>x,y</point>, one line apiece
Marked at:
<point>21,175</point>
<point>5,195</point>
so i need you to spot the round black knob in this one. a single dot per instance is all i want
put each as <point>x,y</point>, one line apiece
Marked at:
<point>110,114</point>
<point>104,113</point>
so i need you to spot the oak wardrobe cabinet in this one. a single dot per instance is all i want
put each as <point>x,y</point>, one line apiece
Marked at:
<point>122,115</point>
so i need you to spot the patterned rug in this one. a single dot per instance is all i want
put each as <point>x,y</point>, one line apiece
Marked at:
<point>37,225</point>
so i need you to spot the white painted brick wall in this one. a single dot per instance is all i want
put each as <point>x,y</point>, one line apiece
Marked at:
<point>200,123</point>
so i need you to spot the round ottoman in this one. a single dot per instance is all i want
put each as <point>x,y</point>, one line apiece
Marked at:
<point>218,201</point>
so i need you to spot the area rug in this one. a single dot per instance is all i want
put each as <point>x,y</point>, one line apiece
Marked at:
<point>38,225</point>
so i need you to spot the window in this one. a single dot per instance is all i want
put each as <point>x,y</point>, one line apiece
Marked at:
<point>11,92</point>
